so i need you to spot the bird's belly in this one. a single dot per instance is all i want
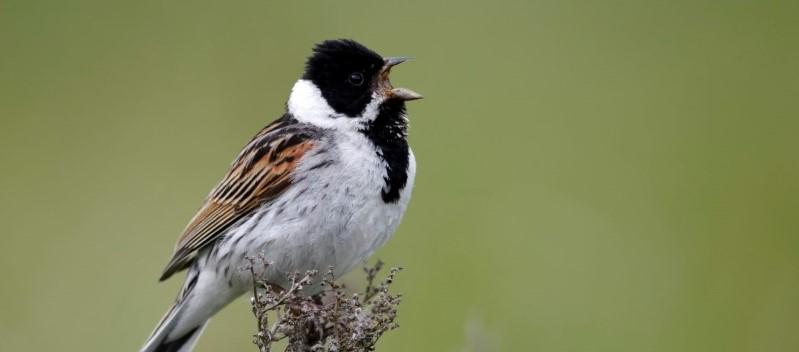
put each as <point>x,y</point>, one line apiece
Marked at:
<point>317,224</point>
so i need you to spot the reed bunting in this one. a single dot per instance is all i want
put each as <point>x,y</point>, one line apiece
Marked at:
<point>324,185</point>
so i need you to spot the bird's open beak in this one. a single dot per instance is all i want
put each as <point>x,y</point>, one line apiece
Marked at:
<point>385,84</point>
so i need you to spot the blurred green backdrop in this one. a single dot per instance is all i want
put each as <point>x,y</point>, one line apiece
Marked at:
<point>593,176</point>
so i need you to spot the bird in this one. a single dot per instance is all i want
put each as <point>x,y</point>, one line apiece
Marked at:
<point>324,185</point>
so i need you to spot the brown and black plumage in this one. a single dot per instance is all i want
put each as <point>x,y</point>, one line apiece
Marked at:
<point>262,171</point>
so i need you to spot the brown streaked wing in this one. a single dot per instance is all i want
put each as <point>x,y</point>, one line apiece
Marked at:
<point>260,173</point>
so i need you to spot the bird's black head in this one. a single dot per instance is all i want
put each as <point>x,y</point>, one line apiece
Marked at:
<point>344,71</point>
<point>347,74</point>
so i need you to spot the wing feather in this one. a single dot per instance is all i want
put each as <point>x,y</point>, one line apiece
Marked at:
<point>261,172</point>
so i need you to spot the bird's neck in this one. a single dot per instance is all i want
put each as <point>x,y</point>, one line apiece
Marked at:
<point>307,104</point>
<point>388,132</point>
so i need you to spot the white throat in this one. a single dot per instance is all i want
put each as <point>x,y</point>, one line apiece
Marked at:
<point>307,105</point>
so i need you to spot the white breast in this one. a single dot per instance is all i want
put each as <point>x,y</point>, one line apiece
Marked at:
<point>333,215</point>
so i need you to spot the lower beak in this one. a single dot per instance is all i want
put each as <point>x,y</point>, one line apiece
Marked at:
<point>391,92</point>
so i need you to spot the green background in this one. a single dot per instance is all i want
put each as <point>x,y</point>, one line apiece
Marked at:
<point>593,175</point>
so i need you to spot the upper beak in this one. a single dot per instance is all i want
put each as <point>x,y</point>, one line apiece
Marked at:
<point>391,92</point>
<point>396,60</point>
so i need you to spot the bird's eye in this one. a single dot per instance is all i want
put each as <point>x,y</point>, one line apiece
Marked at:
<point>356,78</point>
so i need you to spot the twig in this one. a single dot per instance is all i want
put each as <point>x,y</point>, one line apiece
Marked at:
<point>331,321</point>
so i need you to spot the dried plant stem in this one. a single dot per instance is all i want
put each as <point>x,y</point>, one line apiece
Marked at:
<point>333,320</point>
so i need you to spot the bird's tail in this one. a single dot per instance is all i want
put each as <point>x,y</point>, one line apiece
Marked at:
<point>181,326</point>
